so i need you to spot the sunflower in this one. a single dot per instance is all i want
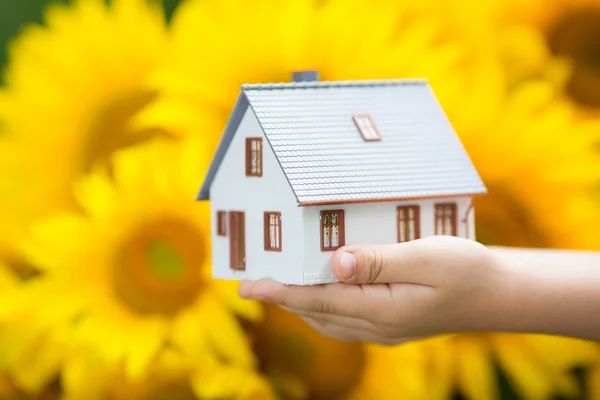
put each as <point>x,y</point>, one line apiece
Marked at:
<point>128,277</point>
<point>558,41</point>
<point>539,161</point>
<point>265,41</point>
<point>571,30</point>
<point>538,367</point>
<point>71,89</point>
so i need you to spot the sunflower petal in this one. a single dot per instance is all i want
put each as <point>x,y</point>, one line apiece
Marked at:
<point>225,334</point>
<point>522,368</point>
<point>84,377</point>
<point>476,374</point>
<point>215,383</point>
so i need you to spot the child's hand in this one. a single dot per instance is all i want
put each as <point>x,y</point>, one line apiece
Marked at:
<point>443,285</point>
<point>393,293</point>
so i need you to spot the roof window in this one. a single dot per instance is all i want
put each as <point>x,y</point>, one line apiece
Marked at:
<point>366,127</point>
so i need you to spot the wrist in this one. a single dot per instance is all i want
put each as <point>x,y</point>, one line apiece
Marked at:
<point>547,292</point>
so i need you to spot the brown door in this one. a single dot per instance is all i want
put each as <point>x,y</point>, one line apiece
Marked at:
<point>237,240</point>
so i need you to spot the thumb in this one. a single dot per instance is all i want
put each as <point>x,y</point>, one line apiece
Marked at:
<point>408,262</point>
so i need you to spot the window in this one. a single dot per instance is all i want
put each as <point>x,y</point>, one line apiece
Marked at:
<point>272,231</point>
<point>365,125</point>
<point>445,219</point>
<point>332,229</point>
<point>408,223</point>
<point>221,223</point>
<point>253,156</point>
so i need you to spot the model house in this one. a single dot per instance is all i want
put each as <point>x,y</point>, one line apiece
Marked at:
<point>308,166</point>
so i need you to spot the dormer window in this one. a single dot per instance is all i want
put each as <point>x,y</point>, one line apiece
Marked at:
<point>366,127</point>
<point>254,156</point>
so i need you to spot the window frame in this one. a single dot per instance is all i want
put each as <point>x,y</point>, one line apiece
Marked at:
<point>416,218</point>
<point>439,211</point>
<point>221,223</point>
<point>267,230</point>
<point>249,153</point>
<point>341,230</point>
<point>359,121</point>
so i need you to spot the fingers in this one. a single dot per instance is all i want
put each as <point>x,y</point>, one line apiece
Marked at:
<point>338,332</point>
<point>335,299</point>
<point>346,322</point>
<point>423,261</point>
<point>335,331</point>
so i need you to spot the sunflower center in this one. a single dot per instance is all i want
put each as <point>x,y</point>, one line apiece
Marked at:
<point>158,269</point>
<point>112,129</point>
<point>164,261</point>
<point>577,36</point>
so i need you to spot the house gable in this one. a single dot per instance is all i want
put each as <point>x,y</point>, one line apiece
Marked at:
<point>232,191</point>
<point>242,106</point>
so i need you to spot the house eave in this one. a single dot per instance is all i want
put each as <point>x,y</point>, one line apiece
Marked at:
<point>235,119</point>
<point>385,199</point>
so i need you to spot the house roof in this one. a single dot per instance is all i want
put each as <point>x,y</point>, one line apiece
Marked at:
<point>324,157</point>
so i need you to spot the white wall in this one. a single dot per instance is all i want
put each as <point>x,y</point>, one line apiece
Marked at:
<point>233,190</point>
<point>373,223</point>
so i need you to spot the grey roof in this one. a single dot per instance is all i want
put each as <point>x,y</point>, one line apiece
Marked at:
<point>309,126</point>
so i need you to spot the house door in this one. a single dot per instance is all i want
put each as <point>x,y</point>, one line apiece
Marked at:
<point>237,240</point>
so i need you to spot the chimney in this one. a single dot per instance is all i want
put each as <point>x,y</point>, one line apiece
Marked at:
<point>305,76</point>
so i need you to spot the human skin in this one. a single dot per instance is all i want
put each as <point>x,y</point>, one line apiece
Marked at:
<point>391,294</point>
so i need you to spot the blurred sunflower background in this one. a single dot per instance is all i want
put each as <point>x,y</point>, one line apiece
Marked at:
<point>110,112</point>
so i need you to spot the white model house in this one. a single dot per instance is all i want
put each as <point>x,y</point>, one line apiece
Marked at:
<point>307,166</point>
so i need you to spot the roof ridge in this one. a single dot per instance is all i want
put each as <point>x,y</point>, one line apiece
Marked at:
<point>330,84</point>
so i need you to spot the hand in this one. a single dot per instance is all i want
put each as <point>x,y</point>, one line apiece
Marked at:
<point>393,293</point>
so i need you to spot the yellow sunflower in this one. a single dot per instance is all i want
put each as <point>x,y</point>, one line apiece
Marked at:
<point>557,41</point>
<point>570,29</point>
<point>71,89</point>
<point>530,150</point>
<point>538,367</point>
<point>217,46</point>
<point>129,276</point>
<point>538,159</point>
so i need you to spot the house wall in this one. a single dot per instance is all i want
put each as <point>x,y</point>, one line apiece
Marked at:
<point>373,223</point>
<point>233,190</point>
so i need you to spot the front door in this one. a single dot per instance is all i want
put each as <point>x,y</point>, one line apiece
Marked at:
<point>237,240</point>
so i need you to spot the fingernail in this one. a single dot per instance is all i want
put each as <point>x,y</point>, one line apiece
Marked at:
<point>348,263</point>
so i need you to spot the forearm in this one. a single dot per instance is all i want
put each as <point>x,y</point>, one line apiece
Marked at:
<point>550,291</point>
